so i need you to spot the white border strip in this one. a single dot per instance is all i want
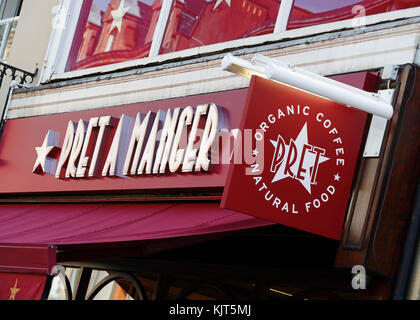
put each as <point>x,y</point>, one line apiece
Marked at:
<point>159,33</point>
<point>283,16</point>
<point>61,38</point>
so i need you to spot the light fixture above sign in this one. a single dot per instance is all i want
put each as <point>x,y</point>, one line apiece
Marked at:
<point>290,75</point>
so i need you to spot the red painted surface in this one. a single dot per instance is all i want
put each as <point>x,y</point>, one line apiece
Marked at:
<point>306,190</point>
<point>22,136</point>
<point>18,286</point>
<point>24,256</point>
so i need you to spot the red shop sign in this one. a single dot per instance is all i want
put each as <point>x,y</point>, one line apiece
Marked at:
<point>305,149</point>
<point>159,145</point>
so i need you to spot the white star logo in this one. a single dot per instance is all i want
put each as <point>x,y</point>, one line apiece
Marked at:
<point>117,16</point>
<point>308,163</point>
<point>337,177</point>
<point>48,147</point>
<point>219,2</point>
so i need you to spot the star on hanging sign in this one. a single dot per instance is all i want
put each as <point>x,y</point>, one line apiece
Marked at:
<point>117,16</point>
<point>219,2</point>
<point>49,146</point>
<point>309,160</point>
<point>14,291</point>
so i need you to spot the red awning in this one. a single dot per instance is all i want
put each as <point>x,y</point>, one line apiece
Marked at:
<point>59,224</point>
<point>29,233</point>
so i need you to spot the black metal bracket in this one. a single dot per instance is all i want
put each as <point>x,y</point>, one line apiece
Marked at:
<point>21,77</point>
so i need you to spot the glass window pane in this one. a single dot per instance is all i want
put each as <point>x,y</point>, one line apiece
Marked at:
<point>10,38</point>
<point>307,13</point>
<point>7,34</point>
<point>114,31</point>
<point>10,8</point>
<point>194,23</point>
<point>2,4</point>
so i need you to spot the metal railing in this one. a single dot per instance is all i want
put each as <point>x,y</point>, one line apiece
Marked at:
<point>19,77</point>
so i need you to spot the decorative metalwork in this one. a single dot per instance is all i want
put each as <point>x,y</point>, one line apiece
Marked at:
<point>214,286</point>
<point>20,76</point>
<point>116,276</point>
<point>61,272</point>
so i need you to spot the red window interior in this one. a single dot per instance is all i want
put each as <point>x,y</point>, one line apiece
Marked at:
<point>194,23</point>
<point>307,13</point>
<point>112,31</point>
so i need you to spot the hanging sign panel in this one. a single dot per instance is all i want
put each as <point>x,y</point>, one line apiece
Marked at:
<point>306,149</point>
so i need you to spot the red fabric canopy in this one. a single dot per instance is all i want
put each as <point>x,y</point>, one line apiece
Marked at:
<point>30,232</point>
<point>58,224</point>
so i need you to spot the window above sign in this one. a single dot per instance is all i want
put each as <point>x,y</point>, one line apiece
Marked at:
<point>112,31</point>
<point>199,23</point>
<point>307,13</point>
<point>9,16</point>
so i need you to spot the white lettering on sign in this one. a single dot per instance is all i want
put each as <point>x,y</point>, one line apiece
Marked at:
<point>83,162</point>
<point>115,160</point>
<point>146,144</point>
<point>177,154</point>
<point>166,138</point>
<point>191,153</point>
<point>137,138</point>
<point>76,149</point>
<point>210,131</point>
<point>65,150</point>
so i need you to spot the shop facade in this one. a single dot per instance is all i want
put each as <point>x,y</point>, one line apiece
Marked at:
<point>117,161</point>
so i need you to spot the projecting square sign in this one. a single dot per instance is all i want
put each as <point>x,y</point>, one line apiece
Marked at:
<point>304,154</point>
